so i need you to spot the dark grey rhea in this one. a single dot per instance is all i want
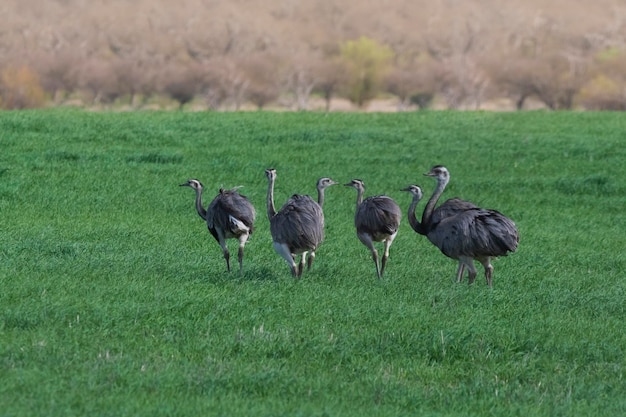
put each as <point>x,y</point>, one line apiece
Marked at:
<point>377,219</point>
<point>462,230</point>
<point>229,216</point>
<point>298,227</point>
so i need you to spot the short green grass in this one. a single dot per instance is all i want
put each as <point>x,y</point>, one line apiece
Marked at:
<point>115,300</point>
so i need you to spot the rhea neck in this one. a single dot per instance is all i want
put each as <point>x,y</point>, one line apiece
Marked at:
<point>320,196</point>
<point>415,224</point>
<point>359,195</point>
<point>271,209</point>
<point>430,206</point>
<point>199,208</point>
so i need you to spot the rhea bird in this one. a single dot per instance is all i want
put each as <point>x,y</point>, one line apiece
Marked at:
<point>229,216</point>
<point>462,230</point>
<point>377,219</point>
<point>298,227</point>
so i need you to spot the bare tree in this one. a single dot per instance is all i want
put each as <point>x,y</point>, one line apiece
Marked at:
<point>330,75</point>
<point>213,91</point>
<point>183,84</point>
<point>99,79</point>
<point>414,83</point>
<point>483,49</point>
<point>301,78</point>
<point>460,51</point>
<point>233,82</point>
<point>58,73</point>
<point>263,71</point>
<point>555,83</point>
<point>543,60</point>
<point>511,77</point>
<point>135,78</point>
<point>402,83</point>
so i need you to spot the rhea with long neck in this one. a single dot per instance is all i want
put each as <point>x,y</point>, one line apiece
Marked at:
<point>197,186</point>
<point>271,177</point>
<point>442,176</point>
<point>229,215</point>
<point>417,196</point>
<point>281,238</point>
<point>462,230</point>
<point>298,227</point>
<point>322,184</point>
<point>360,190</point>
<point>376,219</point>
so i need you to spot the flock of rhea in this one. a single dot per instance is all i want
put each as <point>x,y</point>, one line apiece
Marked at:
<point>459,228</point>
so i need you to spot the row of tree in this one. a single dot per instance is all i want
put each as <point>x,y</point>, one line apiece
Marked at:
<point>461,62</point>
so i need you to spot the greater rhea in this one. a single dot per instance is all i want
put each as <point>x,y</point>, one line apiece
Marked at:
<point>462,230</point>
<point>229,216</point>
<point>377,219</point>
<point>298,227</point>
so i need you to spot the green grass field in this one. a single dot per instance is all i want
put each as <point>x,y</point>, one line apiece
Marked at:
<point>115,300</point>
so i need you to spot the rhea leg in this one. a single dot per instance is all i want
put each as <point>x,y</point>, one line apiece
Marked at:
<point>302,262</point>
<point>222,241</point>
<point>375,258</point>
<point>283,250</point>
<point>366,239</point>
<point>242,243</point>
<point>309,263</point>
<point>459,272</point>
<point>468,263</point>
<point>388,243</point>
<point>488,269</point>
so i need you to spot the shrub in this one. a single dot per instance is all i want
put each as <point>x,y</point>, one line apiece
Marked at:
<point>603,93</point>
<point>20,88</point>
<point>422,100</point>
<point>366,62</point>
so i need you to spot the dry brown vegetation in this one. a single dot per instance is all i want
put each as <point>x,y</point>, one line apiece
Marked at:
<point>220,54</point>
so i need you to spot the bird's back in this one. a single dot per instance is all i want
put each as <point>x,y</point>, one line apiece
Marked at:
<point>476,233</point>
<point>449,208</point>
<point>377,216</point>
<point>299,223</point>
<point>229,205</point>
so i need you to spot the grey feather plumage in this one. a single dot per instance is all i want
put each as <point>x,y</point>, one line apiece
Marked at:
<point>462,230</point>
<point>449,208</point>
<point>378,216</point>
<point>377,219</point>
<point>229,204</point>
<point>230,215</point>
<point>299,223</point>
<point>475,233</point>
<point>298,227</point>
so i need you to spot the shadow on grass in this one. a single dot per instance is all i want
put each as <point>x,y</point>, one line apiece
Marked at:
<point>266,274</point>
<point>155,158</point>
<point>258,273</point>
<point>250,274</point>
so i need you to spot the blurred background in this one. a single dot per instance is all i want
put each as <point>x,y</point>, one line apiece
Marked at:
<point>370,55</point>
